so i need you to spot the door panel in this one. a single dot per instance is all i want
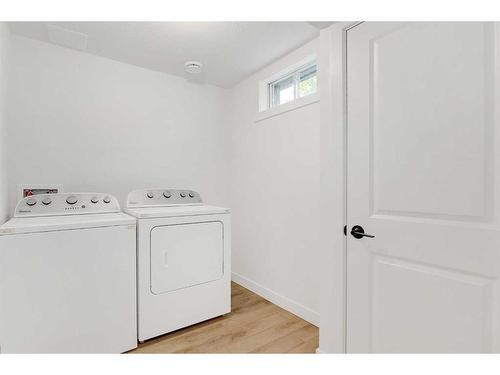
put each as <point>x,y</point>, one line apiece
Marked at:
<point>183,255</point>
<point>70,291</point>
<point>442,118</point>
<point>435,307</point>
<point>423,156</point>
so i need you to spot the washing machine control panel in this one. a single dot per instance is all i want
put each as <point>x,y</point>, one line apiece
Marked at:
<point>66,204</point>
<point>162,197</point>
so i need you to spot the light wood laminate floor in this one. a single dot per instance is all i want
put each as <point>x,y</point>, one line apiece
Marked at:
<point>254,325</point>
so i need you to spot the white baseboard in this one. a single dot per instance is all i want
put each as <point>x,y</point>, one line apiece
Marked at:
<point>282,301</point>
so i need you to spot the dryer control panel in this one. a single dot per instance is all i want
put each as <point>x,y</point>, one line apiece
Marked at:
<point>66,204</point>
<point>162,197</point>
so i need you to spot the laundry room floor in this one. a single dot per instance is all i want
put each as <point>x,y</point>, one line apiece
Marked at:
<point>254,325</point>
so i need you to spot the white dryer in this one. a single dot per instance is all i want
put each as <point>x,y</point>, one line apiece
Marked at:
<point>184,260</point>
<point>68,276</point>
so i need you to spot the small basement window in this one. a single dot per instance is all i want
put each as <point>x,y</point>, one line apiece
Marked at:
<point>294,85</point>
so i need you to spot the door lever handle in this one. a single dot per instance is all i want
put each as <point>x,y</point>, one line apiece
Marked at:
<point>358,232</point>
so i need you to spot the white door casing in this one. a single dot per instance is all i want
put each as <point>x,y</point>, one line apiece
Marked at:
<point>423,168</point>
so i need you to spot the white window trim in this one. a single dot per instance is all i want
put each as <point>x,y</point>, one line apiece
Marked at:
<point>287,107</point>
<point>265,111</point>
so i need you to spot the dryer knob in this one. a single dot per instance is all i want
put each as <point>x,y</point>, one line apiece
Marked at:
<point>46,201</point>
<point>106,199</point>
<point>183,195</point>
<point>94,200</point>
<point>167,194</point>
<point>150,195</point>
<point>71,199</point>
<point>31,202</point>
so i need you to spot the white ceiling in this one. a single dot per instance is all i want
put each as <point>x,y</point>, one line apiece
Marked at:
<point>229,51</point>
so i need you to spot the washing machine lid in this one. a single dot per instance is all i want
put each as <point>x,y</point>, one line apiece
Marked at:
<point>19,225</point>
<point>175,211</point>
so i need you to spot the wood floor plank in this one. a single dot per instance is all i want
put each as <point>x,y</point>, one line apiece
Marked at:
<point>219,334</point>
<point>235,334</point>
<point>308,346</point>
<point>254,325</point>
<point>253,342</point>
<point>289,343</point>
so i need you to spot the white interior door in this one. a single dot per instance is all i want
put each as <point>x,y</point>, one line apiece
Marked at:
<point>423,178</point>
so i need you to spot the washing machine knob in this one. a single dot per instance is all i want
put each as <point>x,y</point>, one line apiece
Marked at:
<point>106,200</point>
<point>71,199</point>
<point>150,195</point>
<point>46,201</point>
<point>94,200</point>
<point>183,195</point>
<point>167,194</point>
<point>31,202</point>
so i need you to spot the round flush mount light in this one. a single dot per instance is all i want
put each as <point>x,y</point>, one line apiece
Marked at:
<point>193,67</point>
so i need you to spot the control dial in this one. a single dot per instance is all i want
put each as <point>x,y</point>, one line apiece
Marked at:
<point>71,199</point>
<point>191,195</point>
<point>150,195</point>
<point>106,200</point>
<point>46,201</point>
<point>183,195</point>
<point>94,200</point>
<point>31,202</point>
<point>167,194</point>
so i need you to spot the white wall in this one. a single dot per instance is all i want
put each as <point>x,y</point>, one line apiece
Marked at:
<point>4,56</point>
<point>94,124</point>
<point>275,196</point>
<point>99,125</point>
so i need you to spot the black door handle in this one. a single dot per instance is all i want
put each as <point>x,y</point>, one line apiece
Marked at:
<point>358,232</point>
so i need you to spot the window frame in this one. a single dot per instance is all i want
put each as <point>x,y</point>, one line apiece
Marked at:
<point>263,111</point>
<point>271,92</point>
<point>295,75</point>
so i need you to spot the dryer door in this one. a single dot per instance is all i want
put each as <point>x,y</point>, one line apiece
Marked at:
<point>184,255</point>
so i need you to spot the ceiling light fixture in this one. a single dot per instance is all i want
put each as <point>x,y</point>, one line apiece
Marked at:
<point>193,67</point>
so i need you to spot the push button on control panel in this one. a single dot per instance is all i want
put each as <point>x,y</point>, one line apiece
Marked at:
<point>31,202</point>
<point>71,199</point>
<point>106,200</point>
<point>191,195</point>
<point>94,200</point>
<point>150,195</point>
<point>167,194</point>
<point>183,195</point>
<point>46,201</point>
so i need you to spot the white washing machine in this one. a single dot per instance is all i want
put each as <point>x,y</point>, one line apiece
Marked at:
<point>68,276</point>
<point>184,260</point>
